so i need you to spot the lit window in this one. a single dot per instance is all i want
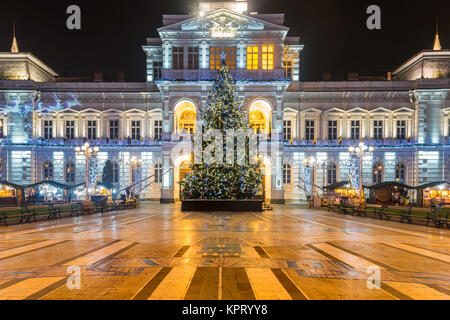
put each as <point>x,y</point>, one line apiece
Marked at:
<point>287,130</point>
<point>70,129</point>
<point>332,173</point>
<point>214,58</point>
<point>267,57</point>
<point>257,121</point>
<point>114,129</point>
<point>92,129</point>
<point>48,129</point>
<point>355,130</point>
<point>115,172</point>
<point>377,173</point>
<point>287,65</point>
<point>48,171</point>
<point>135,130</point>
<point>187,122</point>
<point>401,129</point>
<point>157,133</point>
<point>70,172</point>
<point>332,130</point>
<point>378,129</point>
<point>400,172</point>
<point>230,57</point>
<point>286,174</point>
<point>158,173</point>
<point>309,130</point>
<point>252,58</point>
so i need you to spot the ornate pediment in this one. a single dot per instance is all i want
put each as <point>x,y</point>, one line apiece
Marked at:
<point>222,23</point>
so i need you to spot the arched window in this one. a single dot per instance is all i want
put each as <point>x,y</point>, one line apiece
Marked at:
<point>69,172</point>
<point>331,173</point>
<point>186,117</point>
<point>48,170</point>
<point>287,173</point>
<point>400,172</point>
<point>377,173</point>
<point>259,115</point>
<point>115,170</point>
<point>158,173</point>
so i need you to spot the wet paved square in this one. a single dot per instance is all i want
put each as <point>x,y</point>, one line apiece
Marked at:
<point>158,252</point>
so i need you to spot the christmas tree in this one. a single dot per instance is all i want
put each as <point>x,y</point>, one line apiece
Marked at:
<point>240,180</point>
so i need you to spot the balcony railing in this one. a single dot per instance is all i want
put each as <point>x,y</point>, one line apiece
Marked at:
<point>238,74</point>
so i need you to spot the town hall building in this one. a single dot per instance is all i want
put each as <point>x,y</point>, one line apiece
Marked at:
<point>145,126</point>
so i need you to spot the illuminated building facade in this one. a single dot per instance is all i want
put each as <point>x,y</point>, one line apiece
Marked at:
<point>406,119</point>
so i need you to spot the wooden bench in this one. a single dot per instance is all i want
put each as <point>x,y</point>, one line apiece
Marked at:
<point>4,213</point>
<point>406,216</point>
<point>53,212</point>
<point>26,213</point>
<point>346,209</point>
<point>382,211</point>
<point>76,209</point>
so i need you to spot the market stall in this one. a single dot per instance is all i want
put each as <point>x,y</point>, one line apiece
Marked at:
<point>390,193</point>
<point>437,192</point>
<point>341,192</point>
<point>46,192</point>
<point>99,192</point>
<point>10,194</point>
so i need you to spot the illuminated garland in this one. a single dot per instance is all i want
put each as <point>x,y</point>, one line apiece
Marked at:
<point>353,170</point>
<point>307,178</point>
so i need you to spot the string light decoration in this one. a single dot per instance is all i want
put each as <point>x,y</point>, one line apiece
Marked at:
<point>243,180</point>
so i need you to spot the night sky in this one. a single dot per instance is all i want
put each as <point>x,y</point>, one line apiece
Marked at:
<point>333,31</point>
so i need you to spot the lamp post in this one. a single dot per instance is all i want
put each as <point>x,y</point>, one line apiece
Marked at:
<point>360,151</point>
<point>134,162</point>
<point>88,153</point>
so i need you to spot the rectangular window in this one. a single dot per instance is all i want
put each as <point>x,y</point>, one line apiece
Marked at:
<point>70,129</point>
<point>309,130</point>
<point>48,129</point>
<point>92,129</point>
<point>448,132</point>
<point>178,58</point>
<point>252,58</point>
<point>267,57</point>
<point>193,58</point>
<point>355,130</point>
<point>287,130</point>
<point>157,70</point>
<point>287,65</point>
<point>401,129</point>
<point>114,129</point>
<point>214,58</point>
<point>332,130</point>
<point>157,129</point>
<point>1,129</point>
<point>230,57</point>
<point>378,129</point>
<point>135,130</point>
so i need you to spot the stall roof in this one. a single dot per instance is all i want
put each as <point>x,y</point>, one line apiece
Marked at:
<point>336,185</point>
<point>388,184</point>
<point>13,185</point>
<point>50,182</point>
<point>106,186</point>
<point>431,184</point>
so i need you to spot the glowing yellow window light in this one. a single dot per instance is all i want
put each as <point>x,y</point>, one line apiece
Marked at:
<point>267,57</point>
<point>252,57</point>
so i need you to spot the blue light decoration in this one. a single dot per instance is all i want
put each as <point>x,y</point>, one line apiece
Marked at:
<point>59,101</point>
<point>353,171</point>
<point>94,171</point>
<point>138,178</point>
<point>307,178</point>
